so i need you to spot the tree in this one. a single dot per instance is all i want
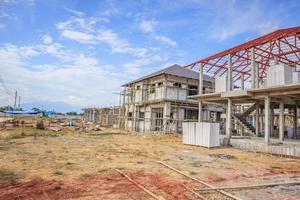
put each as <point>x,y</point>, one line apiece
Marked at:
<point>71,113</point>
<point>36,109</point>
<point>6,108</point>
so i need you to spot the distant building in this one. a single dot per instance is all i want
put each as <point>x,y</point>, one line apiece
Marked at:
<point>106,117</point>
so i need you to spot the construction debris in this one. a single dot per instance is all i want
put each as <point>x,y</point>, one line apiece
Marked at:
<point>141,187</point>
<point>199,181</point>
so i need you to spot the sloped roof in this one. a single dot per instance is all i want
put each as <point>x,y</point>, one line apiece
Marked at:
<point>283,45</point>
<point>175,70</point>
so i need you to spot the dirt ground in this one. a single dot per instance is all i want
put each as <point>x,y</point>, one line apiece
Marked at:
<point>38,164</point>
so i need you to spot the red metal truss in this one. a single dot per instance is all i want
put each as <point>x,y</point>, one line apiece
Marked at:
<point>283,44</point>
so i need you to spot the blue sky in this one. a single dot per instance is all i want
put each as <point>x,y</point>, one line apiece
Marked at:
<point>78,53</point>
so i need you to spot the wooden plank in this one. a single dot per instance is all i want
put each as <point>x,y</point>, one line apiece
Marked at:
<point>251,186</point>
<point>195,193</point>
<point>199,181</point>
<point>141,187</point>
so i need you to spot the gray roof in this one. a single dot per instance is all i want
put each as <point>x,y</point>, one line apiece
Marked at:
<point>175,70</point>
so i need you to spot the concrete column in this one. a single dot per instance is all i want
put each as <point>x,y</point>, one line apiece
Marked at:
<point>242,82</point>
<point>93,116</point>
<point>242,128</point>
<point>256,75</point>
<point>295,121</point>
<point>281,121</point>
<point>200,90</point>
<point>267,119</point>
<point>90,115</point>
<point>166,114</point>
<point>229,118</point>
<point>252,68</point>
<point>272,121</point>
<point>257,120</point>
<point>261,121</point>
<point>134,115</point>
<point>229,73</point>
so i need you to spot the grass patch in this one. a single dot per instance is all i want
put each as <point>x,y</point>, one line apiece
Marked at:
<point>58,173</point>
<point>197,164</point>
<point>104,134</point>
<point>69,163</point>
<point>7,176</point>
<point>104,170</point>
<point>86,175</point>
<point>193,173</point>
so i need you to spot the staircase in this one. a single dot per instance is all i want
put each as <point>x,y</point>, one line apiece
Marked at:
<point>250,110</point>
<point>248,127</point>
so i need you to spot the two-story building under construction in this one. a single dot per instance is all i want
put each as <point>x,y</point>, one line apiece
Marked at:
<point>159,101</point>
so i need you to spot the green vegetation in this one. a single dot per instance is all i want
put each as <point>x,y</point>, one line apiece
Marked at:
<point>58,173</point>
<point>6,108</point>
<point>71,113</point>
<point>7,176</point>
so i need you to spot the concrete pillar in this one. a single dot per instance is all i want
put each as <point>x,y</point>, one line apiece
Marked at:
<point>229,118</point>
<point>166,114</point>
<point>242,128</point>
<point>257,120</point>
<point>229,73</point>
<point>252,68</point>
<point>200,90</point>
<point>281,121</point>
<point>267,119</point>
<point>256,75</point>
<point>272,121</point>
<point>242,82</point>
<point>90,115</point>
<point>295,121</point>
<point>134,115</point>
<point>261,121</point>
<point>93,116</point>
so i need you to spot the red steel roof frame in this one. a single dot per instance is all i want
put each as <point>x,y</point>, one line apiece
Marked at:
<point>284,44</point>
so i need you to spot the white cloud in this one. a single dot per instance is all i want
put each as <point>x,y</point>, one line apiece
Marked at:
<point>235,20</point>
<point>148,25</point>
<point>82,82</point>
<point>84,24</point>
<point>75,12</point>
<point>28,2</point>
<point>132,69</point>
<point>2,26</point>
<point>47,39</point>
<point>165,39</point>
<point>79,36</point>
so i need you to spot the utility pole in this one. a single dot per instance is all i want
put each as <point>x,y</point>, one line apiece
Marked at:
<point>16,94</point>
<point>19,101</point>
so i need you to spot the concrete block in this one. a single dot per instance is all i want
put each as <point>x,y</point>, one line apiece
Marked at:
<point>221,84</point>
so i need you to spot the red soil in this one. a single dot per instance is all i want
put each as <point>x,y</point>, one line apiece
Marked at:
<point>104,186</point>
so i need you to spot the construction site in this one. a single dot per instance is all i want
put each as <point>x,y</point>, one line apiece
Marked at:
<point>223,127</point>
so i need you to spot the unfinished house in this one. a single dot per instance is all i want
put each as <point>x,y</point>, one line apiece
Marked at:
<point>266,71</point>
<point>159,101</point>
<point>105,117</point>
